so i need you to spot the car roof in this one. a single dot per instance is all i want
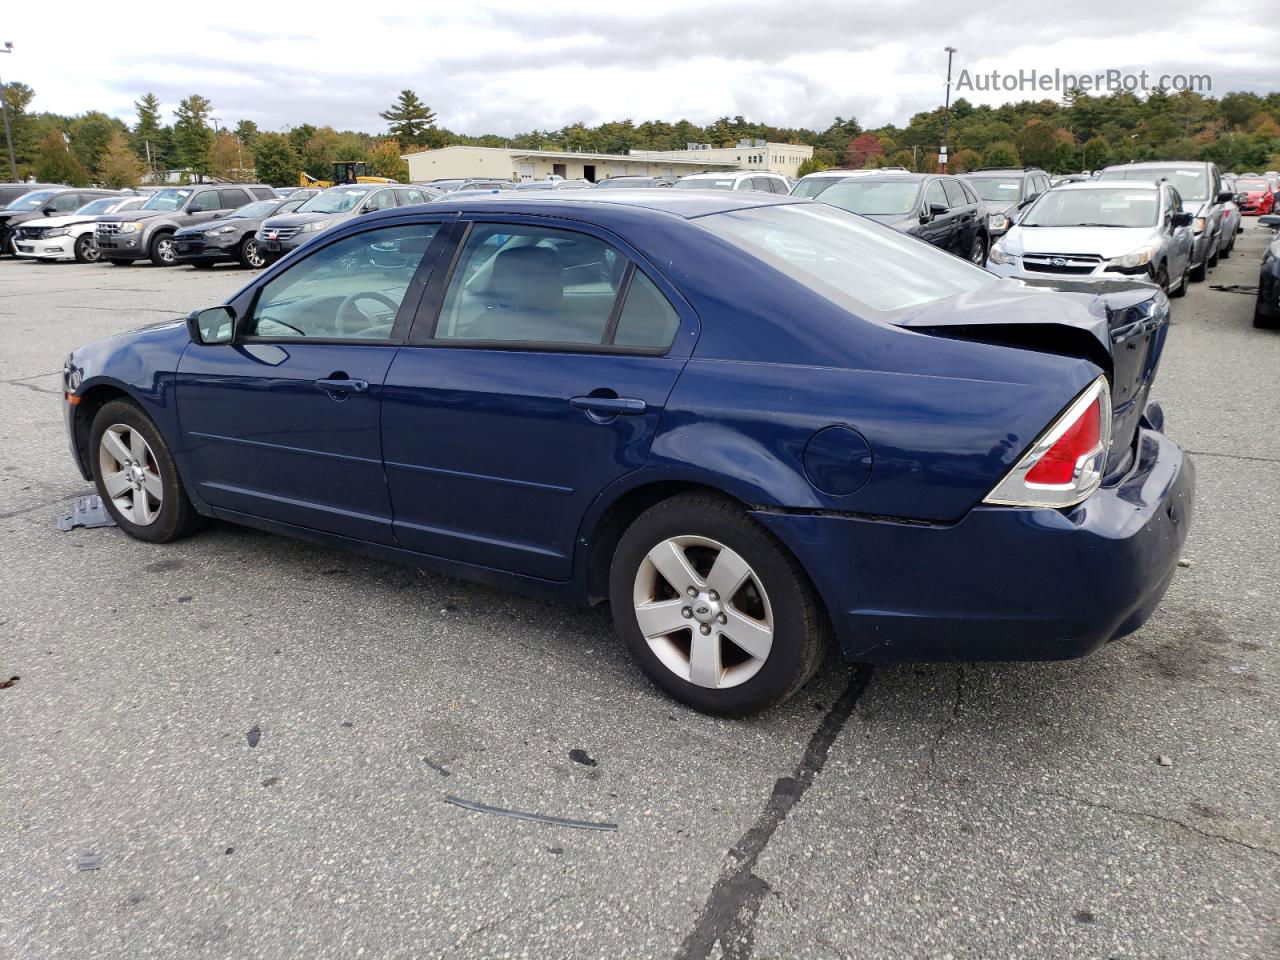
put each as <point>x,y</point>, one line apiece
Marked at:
<point>681,203</point>
<point>1158,165</point>
<point>998,172</point>
<point>1109,185</point>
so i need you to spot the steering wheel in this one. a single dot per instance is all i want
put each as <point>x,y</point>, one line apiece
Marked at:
<point>350,314</point>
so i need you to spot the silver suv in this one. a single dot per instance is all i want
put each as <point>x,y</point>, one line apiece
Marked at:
<point>1200,186</point>
<point>1096,230</point>
<point>760,180</point>
<point>147,233</point>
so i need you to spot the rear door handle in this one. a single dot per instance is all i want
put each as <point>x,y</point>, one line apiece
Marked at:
<point>610,406</point>
<point>342,385</point>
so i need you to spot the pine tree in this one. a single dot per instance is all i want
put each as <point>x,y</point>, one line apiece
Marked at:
<point>275,160</point>
<point>147,132</point>
<point>119,166</point>
<point>192,136</point>
<point>409,118</point>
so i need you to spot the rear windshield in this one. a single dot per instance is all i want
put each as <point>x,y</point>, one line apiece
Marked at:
<point>1191,184</point>
<point>1094,208</point>
<point>700,184</point>
<point>872,197</point>
<point>856,263</point>
<point>624,182</point>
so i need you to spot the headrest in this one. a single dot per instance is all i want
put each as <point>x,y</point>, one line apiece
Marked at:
<point>527,277</point>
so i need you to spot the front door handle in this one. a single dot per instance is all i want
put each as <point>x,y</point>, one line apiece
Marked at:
<point>342,385</point>
<point>610,406</point>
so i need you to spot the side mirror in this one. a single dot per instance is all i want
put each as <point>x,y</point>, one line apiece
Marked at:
<point>219,214</point>
<point>212,325</point>
<point>1270,220</point>
<point>1225,196</point>
<point>49,211</point>
<point>1182,219</point>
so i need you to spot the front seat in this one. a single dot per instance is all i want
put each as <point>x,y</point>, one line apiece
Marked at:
<point>523,298</point>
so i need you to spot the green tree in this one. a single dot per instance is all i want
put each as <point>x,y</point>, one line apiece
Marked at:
<point>275,160</point>
<point>90,135</point>
<point>966,159</point>
<point>54,162</point>
<point>119,166</point>
<point>192,135</point>
<point>1038,145</point>
<point>148,131</point>
<point>1000,154</point>
<point>246,132</point>
<point>384,161</point>
<point>1096,152</point>
<point>409,118</point>
<point>22,126</point>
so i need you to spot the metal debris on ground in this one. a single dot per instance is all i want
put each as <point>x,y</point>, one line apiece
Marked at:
<point>87,512</point>
<point>580,756</point>
<point>1164,761</point>
<point>88,860</point>
<point>254,735</point>
<point>1184,562</point>
<point>1249,291</point>
<point>9,683</point>
<point>522,815</point>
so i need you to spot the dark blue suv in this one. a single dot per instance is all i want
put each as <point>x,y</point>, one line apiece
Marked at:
<point>749,422</point>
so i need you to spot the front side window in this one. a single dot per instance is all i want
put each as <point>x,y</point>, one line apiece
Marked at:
<point>858,264</point>
<point>348,290</point>
<point>66,202</point>
<point>523,284</point>
<point>382,200</point>
<point>935,194</point>
<point>204,202</point>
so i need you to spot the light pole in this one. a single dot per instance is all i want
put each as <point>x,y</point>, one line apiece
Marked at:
<point>946,113</point>
<point>4,109</point>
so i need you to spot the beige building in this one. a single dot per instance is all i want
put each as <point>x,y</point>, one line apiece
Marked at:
<point>505,163</point>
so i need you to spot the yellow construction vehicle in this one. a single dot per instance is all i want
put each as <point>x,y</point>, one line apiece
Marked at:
<point>344,171</point>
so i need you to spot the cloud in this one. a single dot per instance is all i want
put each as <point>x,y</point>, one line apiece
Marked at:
<point>502,66</point>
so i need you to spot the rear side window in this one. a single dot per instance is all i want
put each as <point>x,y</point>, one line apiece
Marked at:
<point>516,283</point>
<point>968,192</point>
<point>263,193</point>
<point>955,196</point>
<point>233,198</point>
<point>647,319</point>
<point>348,290</point>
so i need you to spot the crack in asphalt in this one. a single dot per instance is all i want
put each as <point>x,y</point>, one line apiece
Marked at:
<point>1233,456</point>
<point>1144,815</point>
<point>728,917</point>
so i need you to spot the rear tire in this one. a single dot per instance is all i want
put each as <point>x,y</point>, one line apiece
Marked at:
<point>136,476</point>
<point>1197,274</point>
<point>780,626</point>
<point>86,251</point>
<point>161,251</point>
<point>1213,260</point>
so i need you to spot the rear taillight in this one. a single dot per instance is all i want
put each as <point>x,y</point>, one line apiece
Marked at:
<point>1064,466</point>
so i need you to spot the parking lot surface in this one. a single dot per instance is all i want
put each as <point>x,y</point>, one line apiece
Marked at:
<point>240,746</point>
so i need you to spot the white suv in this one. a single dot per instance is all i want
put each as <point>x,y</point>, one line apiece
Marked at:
<point>69,237</point>
<point>760,180</point>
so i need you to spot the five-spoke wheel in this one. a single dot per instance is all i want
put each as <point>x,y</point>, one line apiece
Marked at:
<point>130,475</point>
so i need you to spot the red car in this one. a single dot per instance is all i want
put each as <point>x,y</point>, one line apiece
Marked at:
<point>1258,196</point>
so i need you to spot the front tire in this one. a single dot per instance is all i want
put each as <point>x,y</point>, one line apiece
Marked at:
<point>1213,260</point>
<point>120,263</point>
<point>136,476</point>
<point>162,250</point>
<point>1162,278</point>
<point>1186,281</point>
<point>717,612</point>
<point>978,252</point>
<point>86,251</point>
<point>250,256</point>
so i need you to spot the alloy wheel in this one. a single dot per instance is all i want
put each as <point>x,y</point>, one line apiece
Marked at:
<point>252,255</point>
<point>130,474</point>
<point>703,612</point>
<point>164,249</point>
<point>91,251</point>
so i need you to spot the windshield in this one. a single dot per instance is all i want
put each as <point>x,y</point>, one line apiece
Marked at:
<point>29,201</point>
<point>1191,184</point>
<point>853,262</point>
<point>1094,208</point>
<point>336,200</point>
<point>811,186</point>
<point>997,189</point>
<point>167,200</point>
<point>701,184</point>
<point>875,198</point>
<point>95,207</point>
<point>259,208</point>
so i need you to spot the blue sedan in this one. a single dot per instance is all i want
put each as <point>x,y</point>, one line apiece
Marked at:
<point>751,423</point>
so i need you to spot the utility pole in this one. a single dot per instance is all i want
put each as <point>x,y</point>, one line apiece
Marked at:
<point>946,113</point>
<point>4,109</point>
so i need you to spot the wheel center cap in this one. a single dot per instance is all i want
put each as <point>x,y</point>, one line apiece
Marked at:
<point>705,610</point>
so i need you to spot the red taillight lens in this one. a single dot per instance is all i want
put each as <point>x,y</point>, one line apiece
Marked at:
<point>1058,464</point>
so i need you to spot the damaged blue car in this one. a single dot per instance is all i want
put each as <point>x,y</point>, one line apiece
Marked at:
<point>753,424</point>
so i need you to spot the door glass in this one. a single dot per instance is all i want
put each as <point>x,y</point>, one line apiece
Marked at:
<point>647,318</point>
<point>955,196</point>
<point>231,199</point>
<point>349,290</point>
<point>67,202</point>
<point>203,202</point>
<point>933,194</point>
<point>382,200</point>
<point>526,284</point>
<point>411,196</point>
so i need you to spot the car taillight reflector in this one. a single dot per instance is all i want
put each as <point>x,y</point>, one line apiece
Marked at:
<point>1063,466</point>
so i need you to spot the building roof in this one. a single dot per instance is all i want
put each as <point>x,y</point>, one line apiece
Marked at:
<point>517,153</point>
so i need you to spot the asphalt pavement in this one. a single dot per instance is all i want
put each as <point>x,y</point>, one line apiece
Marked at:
<point>241,746</point>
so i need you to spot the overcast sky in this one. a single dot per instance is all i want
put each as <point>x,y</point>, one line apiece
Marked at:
<point>492,66</point>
